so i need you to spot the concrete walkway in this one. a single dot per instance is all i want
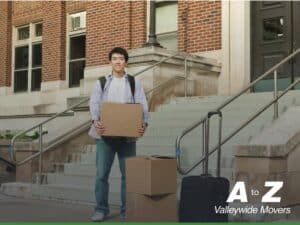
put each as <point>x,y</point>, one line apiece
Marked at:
<point>27,210</point>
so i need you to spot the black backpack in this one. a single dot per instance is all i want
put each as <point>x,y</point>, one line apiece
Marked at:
<point>130,79</point>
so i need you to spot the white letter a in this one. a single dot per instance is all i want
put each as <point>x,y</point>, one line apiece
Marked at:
<point>240,188</point>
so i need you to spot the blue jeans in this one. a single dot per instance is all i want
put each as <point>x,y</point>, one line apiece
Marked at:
<point>106,150</point>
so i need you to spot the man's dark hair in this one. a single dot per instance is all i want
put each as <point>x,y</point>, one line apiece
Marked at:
<point>118,50</point>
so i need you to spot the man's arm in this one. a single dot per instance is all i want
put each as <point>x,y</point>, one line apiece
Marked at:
<point>95,104</point>
<point>140,97</point>
<point>95,101</point>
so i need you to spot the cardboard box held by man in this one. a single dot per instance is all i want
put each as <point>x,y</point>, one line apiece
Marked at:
<point>121,120</point>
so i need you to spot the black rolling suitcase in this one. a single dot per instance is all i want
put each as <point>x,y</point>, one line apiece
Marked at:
<point>199,197</point>
<point>202,195</point>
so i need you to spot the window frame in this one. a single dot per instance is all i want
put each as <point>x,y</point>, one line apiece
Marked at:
<point>161,3</point>
<point>34,30</point>
<point>17,34</point>
<point>32,40</point>
<point>36,67</point>
<point>70,34</point>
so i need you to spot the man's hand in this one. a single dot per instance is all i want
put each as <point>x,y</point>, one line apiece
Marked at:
<point>142,129</point>
<point>99,127</point>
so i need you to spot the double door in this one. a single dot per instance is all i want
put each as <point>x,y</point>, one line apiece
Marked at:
<point>275,33</point>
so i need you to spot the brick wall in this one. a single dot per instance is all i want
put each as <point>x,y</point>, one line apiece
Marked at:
<point>111,24</point>
<point>199,26</point>
<point>107,26</point>
<point>54,41</point>
<point>138,23</point>
<point>5,43</point>
<point>25,12</point>
<point>75,6</point>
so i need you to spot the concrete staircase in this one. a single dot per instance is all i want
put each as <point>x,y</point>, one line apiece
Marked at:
<point>7,174</point>
<point>56,128</point>
<point>74,180</point>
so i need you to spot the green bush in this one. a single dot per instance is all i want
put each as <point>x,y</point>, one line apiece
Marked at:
<point>9,135</point>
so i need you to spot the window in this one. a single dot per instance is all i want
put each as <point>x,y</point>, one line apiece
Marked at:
<point>38,29</point>
<point>23,33</point>
<point>76,48</point>
<point>77,60</point>
<point>78,21</point>
<point>36,71</point>
<point>273,29</point>
<point>21,68</point>
<point>166,23</point>
<point>27,58</point>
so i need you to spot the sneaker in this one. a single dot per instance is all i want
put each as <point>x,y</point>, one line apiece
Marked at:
<point>123,216</point>
<point>98,217</point>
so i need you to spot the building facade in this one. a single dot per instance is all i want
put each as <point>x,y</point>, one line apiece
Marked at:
<point>47,45</point>
<point>51,45</point>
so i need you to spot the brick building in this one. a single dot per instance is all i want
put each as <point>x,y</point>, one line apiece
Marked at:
<point>53,45</point>
<point>47,42</point>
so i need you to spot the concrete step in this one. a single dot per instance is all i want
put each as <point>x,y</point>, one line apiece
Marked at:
<point>188,157</point>
<point>195,136</point>
<point>17,189</point>
<point>192,140</point>
<point>229,120</point>
<point>295,214</point>
<point>7,177</point>
<point>78,189</point>
<point>169,118</point>
<point>75,100</point>
<point>88,181</point>
<point>253,96</point>
<point>199,106</point>
<point>63,192</point>
<point>211,98</point>
<point>89,169</point>
<point>77,180</point>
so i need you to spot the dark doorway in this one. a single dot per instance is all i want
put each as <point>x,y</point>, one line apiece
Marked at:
<point>275,35</point>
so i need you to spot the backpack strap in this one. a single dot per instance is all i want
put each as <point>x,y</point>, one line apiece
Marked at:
<point>102,82</point>
<point>132,84</point>
<point>130,79</point>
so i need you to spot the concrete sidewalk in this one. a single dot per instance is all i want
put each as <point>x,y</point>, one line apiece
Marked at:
<point>27,210</point>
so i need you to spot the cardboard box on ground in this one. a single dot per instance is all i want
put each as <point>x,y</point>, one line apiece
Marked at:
<point>157,208</point>
<point>151,189</point>
<point>120,119</point>
<point>151,175</point>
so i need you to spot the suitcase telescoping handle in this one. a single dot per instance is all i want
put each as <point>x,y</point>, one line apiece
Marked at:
<point>206,142</point>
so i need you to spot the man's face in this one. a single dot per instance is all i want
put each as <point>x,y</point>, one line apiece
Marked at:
<point>118,62</point>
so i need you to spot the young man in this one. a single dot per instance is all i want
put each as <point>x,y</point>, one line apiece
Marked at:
<point>117,88</point>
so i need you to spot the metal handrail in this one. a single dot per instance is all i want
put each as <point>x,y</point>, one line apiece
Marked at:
<point>164,83</point>
<point>7,162</point>
<point>158,63</point>
<point>57,142</point>
<point>204,119</point>
<point>40,125</point>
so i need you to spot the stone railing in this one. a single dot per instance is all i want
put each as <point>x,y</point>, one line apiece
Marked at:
<point>273,155</point>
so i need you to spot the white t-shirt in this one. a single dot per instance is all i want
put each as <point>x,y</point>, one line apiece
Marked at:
<point>116,92</point>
